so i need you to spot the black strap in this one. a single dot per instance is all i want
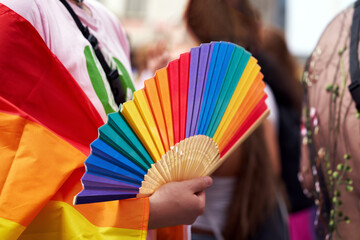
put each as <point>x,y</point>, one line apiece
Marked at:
<point>354,87</point>
<point>112,75</point>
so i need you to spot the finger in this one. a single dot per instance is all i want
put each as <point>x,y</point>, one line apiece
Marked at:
<point>199,184</point>
<point>201,195</point>
<point>201,198</point>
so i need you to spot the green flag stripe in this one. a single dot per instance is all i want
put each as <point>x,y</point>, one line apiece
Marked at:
<point>97,80</point>
<point>124,76</point>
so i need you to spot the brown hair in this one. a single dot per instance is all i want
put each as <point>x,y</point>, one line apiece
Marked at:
<point>254,195</point>
<point>216,20</point>
<point>274,44</point>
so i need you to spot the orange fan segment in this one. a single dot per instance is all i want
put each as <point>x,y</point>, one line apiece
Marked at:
<point>255,94</point>
<point>154,100</point>
<point>162,84</point>
<point>249,75</point>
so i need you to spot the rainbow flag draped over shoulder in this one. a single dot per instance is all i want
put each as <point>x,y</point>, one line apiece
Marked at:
<point>46,125</point>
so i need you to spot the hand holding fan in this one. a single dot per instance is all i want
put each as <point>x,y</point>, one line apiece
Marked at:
<point>183,124</point>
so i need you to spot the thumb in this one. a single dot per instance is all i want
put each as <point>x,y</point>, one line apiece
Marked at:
<point>199,184</point>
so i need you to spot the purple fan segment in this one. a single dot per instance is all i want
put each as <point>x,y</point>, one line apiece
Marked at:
<point>203,69</point>
<point>92,196</point>
<point>194,61</point>
<point>91,181</point>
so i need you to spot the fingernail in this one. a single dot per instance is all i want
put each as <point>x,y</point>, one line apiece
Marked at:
<point>207,179</point>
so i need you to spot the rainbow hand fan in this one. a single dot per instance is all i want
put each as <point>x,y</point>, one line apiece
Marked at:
<point>183,124</point>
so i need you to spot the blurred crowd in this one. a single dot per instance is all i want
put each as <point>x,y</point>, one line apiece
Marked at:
<point>262,185</point>
<point>256,193</point>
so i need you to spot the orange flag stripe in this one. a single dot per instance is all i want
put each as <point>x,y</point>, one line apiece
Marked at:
<point>25,190</point>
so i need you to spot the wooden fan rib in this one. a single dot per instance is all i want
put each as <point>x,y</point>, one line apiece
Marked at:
<point>149,185</point>
<point>155,175</point>
<point>153,181</point>
<point>213,164</point>
<point>174,162</point>
<point>162,170</point>
<point>165,165</point>
<point>190,157</point>
<point>180,148</point>
<point>178,163</point>
<point>202,155</point>
<point>145,192</point>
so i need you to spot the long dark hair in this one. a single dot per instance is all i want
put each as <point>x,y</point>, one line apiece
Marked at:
<point>273,43</point>
<point>254,196</point>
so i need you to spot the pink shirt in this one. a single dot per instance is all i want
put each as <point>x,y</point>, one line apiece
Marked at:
<point>60,33</point>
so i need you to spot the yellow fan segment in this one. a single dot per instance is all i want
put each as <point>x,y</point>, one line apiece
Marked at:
<point>243,86</point>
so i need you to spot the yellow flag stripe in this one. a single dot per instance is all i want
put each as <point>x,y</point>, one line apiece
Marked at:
<point>71,225</point>
<point>10,229</point>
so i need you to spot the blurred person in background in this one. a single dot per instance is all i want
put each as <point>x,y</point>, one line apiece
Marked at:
<point>288,93</point>
<point>148,58</point>
<point>244,201</point>
<point>331,133</point>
